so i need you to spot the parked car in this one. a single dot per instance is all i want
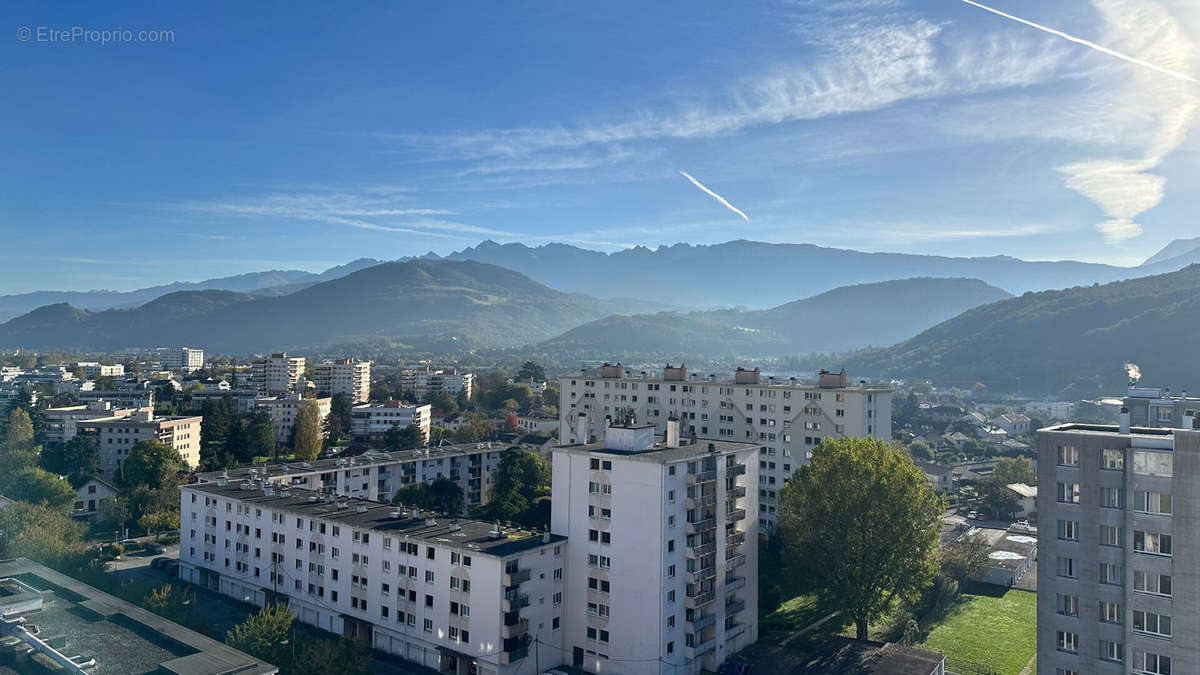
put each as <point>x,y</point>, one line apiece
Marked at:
<point>983,517</point>
<point>155,548</point>
<point>1022,525</point>
<point>160,562</point>
<point>972,514</point>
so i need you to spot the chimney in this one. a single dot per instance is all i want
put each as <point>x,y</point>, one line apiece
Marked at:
<point>546,537</point>
<point>581,428</point>
<point>1189,419</point>
<point>1124,425</point>
<point>671,438</point>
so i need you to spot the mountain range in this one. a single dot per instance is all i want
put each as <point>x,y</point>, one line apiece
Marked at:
<point>841,320</point>
<point>1078,338</point>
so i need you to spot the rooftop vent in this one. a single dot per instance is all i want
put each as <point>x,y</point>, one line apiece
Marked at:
<point>395,514</point>
<point>430,522</point>
<point>313,499</point>
<point>243,486</point>
<point>268,490</point>
<point>360,508</point>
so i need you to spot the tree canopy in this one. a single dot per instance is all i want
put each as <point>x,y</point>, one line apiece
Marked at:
<point>263,634</point>
<point>521,478</point>
<point>79,456</point>
<point>862,523</point>
<point>307,439</point>
<point>20,431</point>
<point>403,438</point>
<point>37,486</point>
<point>150,463</point>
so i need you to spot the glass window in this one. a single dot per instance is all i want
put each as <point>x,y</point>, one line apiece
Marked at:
<point>1113,460</point>
<point>1148,463</point>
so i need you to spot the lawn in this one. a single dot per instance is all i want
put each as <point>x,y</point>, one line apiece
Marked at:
<point>794,614</point>
<point>989,632</point>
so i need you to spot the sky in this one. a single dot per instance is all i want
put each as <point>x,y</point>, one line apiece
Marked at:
<point>238,137</point>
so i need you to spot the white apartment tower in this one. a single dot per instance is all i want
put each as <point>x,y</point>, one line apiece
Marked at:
<point>368,422</point>
<point>784,418</point>
<point>119,435</point>
<point>662,559</point>
<point>180,358</point>
<point>277,374</point>
<point>424,381</point>
<point>344,376</point>
<point>1120,533</point>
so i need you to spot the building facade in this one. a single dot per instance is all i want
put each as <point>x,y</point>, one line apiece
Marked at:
<point>118,436</point>
<point>1154,407</point>
<point>62,424</point>
<point>180,358</point>
<point>786,419</point>
<point>344,376</point>
<point>662,563</point>
<point>1119,509</point>
<point>277,374</point>
<point>424,381</point>
<point>284,409</point>
<point>369,422</point>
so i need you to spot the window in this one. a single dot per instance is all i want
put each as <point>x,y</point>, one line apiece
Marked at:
<point>1068,605</point>
<point>1152,502</point>
<point>1068,529</point>
<point>1110,612</point>
<point>1068,493</point>
<point>1154,664</point>
<point>1151,623</point>
<point>1068,455</point>
<point>1149,582</point>
<point>1147,463</point>
<point>1151,542</point>
<point>1112,498</point>
<point>1067,642</point>
<point>1112,574</point>
<point>1112,651</point>
<point>1112,535</point>
<point>1113,460</point>
<point>1068,568</point>
<point>428,625</point>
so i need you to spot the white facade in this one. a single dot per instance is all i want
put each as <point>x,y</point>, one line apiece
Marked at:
<point>283,412</point>
<point>277,374</point>
<point>456,596</point>
<point>62,424</point>
<point>785,418</point>
<point>94,369</point>
<point>118,436</point>
<point>180,358</point>
<point>372,421</point>
<point>91,495</point>
<point>344,376</point>
<point>663,556</point>
<point>424,381</point>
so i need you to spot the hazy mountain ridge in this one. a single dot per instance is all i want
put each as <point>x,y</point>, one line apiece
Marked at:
<point>844,319</point>
<point>1043,342</point>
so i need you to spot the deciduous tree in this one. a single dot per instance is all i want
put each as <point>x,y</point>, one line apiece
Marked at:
<point>37,486</point>
<point>79,456</point>
<point>263,633</point>
<point>150,463</point>
<point>308,439</point>
<point>20,431</point>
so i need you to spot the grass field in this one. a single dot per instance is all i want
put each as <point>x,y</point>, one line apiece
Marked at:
<point>988,633</point>
<point>794,614</point>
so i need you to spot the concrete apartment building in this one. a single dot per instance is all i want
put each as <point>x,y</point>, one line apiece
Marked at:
<point>1155,407</point>
<point>119,398</point>
<point>377,476</point>
<point>344,376</point>
<point>180,358</point>
<point>118,436</point>
<point>284,409</point>
<point>425,380</point>
<point>93,369</point>
<point>368,422</point>
<point>662,564</point>
<point>458,596</point>
<point>1119,508</point>
<point>62,424</point>
<point>785,418</point>
<point>277,374</point>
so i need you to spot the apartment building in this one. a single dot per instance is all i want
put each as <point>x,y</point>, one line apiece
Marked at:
<point>662,564</point>
<point>180,358</point>
<point>378,475</point>
<point>1119,535</point>
<point>277,374</point>
<point>344,376</point>
<point>283,411</point>
<point>425,380</point>
<point>368,422</point>
<point>1158,407</point>
<point>119,398</point>
<point>785,418</point>
<point>93,369</point>
<point>118,436</point>
<point>63,423</point>
<point>459,596</point>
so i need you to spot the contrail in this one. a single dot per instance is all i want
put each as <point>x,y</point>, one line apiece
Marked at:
<point>715,196</point>
<point>1086,43</point>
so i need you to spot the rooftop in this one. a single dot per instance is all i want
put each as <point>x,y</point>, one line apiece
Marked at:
<point>1008,548</point>
<point>367,459</point>
<point>661,453</point>
<point>121,637</point>
<point>470,535</point>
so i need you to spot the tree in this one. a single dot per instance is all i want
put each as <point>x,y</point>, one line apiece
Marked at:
<point>307,438</point>
<point>339,421</point>
<point>446,497</point>
<point>1014,470</point>
<point>37,486</point>
<point>414,494</point>
<point>259,440</point>
<point>921,450</point>
<point>159,522</point>
<point>20,431</point>
<point>219,415</point>
<point>333,657</point>
<point>520,479</point>
<point>962,559</point>
<point>79,456</point>
<point>997,498</point>
<point>262,635</point>
<point>403,438</point>
<point>531,370</point>
<point>150,463</point>
<point>39,533</point>
<point>862,523</point>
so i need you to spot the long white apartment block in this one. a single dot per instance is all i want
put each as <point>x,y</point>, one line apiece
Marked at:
<point>180,358</point>
<point>1119,536</point>
<point>376,476</point>
<point>458,596</point>
<point>368,422</point>
<point>425,380</point>
<point>344,376</point>
<point>62,424</point>
<point>662,564</point>
<point>786,419</point>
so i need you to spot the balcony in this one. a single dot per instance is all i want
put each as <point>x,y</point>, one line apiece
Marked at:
<point>735,630</point>
<point>735,538</point>
<point>735,584</point>
<point>703,500</point>
<point>699,623</point>
<point>509,658</point>
<point>735,515</point>
<point>702,477</point>
<point>734,607</point>
<point>702,549</point>
<point>511,579</point>
<point>703,574</point>
<point>515,630</point>
<point>699,600</point>
<point>735,561</point>
<point>701,525</point>
<point>512,603</point>
<point>736,470</point>
<point>706,646</point>
<point>736,492</point>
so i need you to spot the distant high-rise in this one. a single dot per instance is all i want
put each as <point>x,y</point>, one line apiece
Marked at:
<point>277,374</point>
<point>424,381</point>
<point>180,358</point>
<point>344,376</point>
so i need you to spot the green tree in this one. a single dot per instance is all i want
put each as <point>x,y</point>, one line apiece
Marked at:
<point>259,440</point>
<point>520,479</point>
<point>862,523</point>
<point>20,431</point>
<point>921,450</point>
<point>963,559</point>
<point>37,486</point>
<point>1014,470</point>
<point>997,499</point>
<point>414,494</point>
<point>158,522</point>
<point>37,532</point>
<point>531,370</point>
<point>150,463</point>
<point>339,421</point>
<point>263,633</point>
<point>218,416</point>
<point>333,657</point>
<point>403,438</point>
<point>307,439</point>
<point>446,497</point>
<point>79,456</point>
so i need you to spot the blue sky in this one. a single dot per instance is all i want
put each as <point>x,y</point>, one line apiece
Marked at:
<point>294,135</point>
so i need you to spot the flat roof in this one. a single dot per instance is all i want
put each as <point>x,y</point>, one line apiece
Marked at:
<point>468,535</point>
<point>367,459</point>
<point>659,452</point>
<point>1010,548</point>
<point>122,637</point>
<point>1110,429</point>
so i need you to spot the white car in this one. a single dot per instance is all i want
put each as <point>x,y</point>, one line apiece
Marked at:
<point>1022,525</point>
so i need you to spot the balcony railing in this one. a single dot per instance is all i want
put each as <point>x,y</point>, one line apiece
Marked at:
<point>735,538</point>
<point>703,500</point>
<point>703,647</point>
<point>736,470</point>
<point>512,603</point>
<point>699,600</point>
<point>515,578</point>
<point>508,658</point>
<point>703,549</point>
<point>734,607</point>
<point>734,631</point>
<point>735,584</point>
<point>703,574</point>
<point>735,515</point>
<point>701,525</point>
<point>702,477</point>
<point>735,561</point>
<point>736,492</point>
<point>699,623</point>
<point>515,630</point>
